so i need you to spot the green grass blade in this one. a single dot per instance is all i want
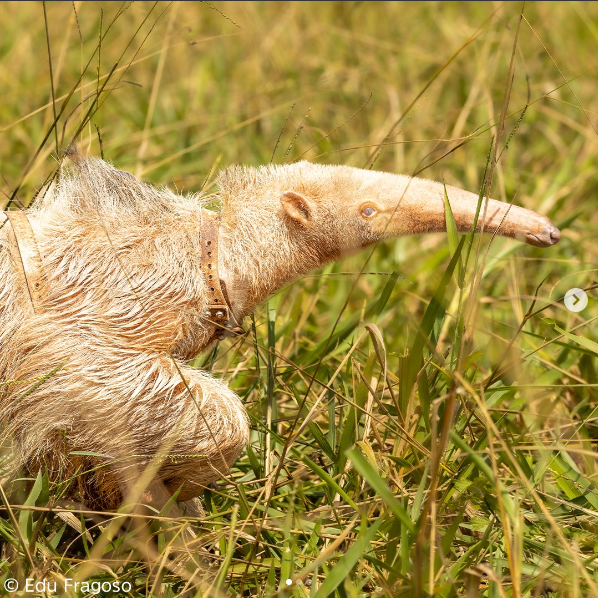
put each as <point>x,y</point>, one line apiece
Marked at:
<point>342,569</point>
<point>379,485</point>
<point>453,237</point>
<point>415,359</point>
<point>386,293</point>
<point>326,478</point>
<point>586,343</point>
<point>26,516</point>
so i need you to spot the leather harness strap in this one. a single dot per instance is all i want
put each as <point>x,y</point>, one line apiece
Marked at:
<point>217,310</point>
<point>27,256</point>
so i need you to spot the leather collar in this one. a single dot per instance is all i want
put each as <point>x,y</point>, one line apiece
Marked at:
<point>217,310</point>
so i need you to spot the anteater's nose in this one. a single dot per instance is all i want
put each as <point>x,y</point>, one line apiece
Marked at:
<point>547,236</point>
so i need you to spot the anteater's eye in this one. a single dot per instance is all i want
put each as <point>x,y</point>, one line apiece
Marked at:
<point>368,211</point>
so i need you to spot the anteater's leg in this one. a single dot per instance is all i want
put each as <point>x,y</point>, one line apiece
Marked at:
<point>192,430</point>
<point>109,414</point>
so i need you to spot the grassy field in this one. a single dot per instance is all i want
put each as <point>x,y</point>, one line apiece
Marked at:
<point>414,432</point>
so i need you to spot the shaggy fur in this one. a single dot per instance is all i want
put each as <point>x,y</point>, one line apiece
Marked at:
<point>124,297</point>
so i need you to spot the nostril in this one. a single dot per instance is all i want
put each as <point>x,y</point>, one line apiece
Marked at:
<point>555,235</point>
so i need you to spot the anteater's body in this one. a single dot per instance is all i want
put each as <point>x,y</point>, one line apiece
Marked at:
<point>100,367</point>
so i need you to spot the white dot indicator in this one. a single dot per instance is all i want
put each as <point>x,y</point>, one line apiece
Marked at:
<point>289,582</point>
<point>576,300</point>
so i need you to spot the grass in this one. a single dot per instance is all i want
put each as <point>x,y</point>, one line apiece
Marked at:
<point>423,414</point>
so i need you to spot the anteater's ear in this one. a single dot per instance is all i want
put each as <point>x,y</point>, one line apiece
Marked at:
<point>298,207</point>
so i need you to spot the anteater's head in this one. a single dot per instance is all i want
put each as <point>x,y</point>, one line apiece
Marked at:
<point>336,210</point>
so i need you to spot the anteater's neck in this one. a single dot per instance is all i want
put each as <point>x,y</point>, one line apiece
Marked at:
<point>258,255</point>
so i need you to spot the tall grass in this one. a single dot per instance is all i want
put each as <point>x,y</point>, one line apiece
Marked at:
<point>424,414</point>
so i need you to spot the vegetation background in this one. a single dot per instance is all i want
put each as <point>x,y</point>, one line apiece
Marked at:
<point>424,414</point>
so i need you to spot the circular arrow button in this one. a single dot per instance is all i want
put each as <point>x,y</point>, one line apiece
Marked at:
<point>576,300</point>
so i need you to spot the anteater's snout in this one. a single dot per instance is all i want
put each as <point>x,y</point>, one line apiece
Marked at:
<point>548,235</point>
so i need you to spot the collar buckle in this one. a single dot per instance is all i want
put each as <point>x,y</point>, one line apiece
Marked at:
<point>218,310</point>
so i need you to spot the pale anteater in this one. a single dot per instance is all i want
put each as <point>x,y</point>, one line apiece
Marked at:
<point>115,285</point>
